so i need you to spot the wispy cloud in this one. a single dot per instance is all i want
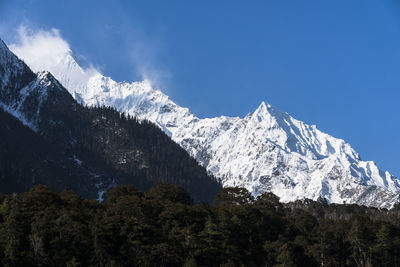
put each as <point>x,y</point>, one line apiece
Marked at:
<point>40,48</point>
<point>145,59</point>
<point>47,51</point>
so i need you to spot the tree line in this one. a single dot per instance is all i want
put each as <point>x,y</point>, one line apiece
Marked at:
<point>163,227</point>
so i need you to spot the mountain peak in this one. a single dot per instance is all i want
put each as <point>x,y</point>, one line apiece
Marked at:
<point>46,76</point>
<point>7,57</point>
<point>268,151</point>
<point>3,45</point>
<point>264,106</point>
<point>265,111</point>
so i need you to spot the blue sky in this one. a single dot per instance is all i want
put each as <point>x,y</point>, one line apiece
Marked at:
<point>330,63</point>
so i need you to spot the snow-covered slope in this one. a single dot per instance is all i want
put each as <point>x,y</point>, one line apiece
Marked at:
<point>19,87</point>
<point>268,150</point>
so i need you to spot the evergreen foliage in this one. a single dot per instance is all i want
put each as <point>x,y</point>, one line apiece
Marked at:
<point>163,227</point>
<point>91,149</point>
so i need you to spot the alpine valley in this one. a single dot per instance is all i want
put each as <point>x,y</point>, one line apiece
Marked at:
<point>266,151</point>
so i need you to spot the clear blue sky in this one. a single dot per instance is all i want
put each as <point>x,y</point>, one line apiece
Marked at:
<point>331,63</point>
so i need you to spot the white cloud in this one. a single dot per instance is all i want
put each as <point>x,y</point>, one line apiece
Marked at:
<point>48,51</point>
<point>144,59</point>
<point>40,48</point>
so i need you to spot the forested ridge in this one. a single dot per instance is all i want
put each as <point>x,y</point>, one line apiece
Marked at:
<point>162,227</point>
<point>48,138</point>
<point>91,149</point>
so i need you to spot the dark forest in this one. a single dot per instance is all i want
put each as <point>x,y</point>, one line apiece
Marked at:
<point>163,227</point>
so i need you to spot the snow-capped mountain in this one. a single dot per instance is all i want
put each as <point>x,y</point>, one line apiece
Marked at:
<point>87,150</point>
<point>23,93</point>
<point>268,150</point>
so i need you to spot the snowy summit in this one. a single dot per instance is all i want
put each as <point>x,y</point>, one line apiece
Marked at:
<point>268,150</point>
